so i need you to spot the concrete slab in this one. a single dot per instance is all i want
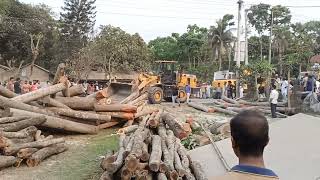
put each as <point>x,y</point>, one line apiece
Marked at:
<point>293,152</point>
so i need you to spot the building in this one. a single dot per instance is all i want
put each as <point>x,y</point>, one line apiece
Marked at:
<point>4,73</point>
<point>39,73</point>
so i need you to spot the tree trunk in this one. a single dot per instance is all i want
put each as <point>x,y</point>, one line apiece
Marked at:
<point>40,93</point>
<point>6,161</point>
<point>36,144</point>
<point>260,38</point>
<point>16,126</point>
<point>26,152</point>
<point>156,153</point>
<point>81,114</point>
<point>6,92</point>
<point>59,73</point>
<point>58,123</point>
<point>78,103</point>
<point>174,124</point>
<point>220,55</point>
<point>115,108</point>
<point>43,153</point>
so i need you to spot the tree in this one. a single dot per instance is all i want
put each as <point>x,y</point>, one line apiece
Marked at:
<point>220,36</point>
<point>281,42</point>
<point>77,21</point>
<point>164,48</point>
<point>34,49</point>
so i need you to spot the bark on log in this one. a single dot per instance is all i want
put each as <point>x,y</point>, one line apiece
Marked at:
<point>178,165</point>
<point>58,123</point>
<point>40,93</point>
<point>5,142</point>
<point>81,115</point>
<point>106,176</point>
<point>121,115</point>
<point>108,159</point>
<point>129,123</point>
<point>183,154</point>
<point>145,153</point>
<point>225,104</point>
<point>115,108</point>
<point>26,152</point>
<point>143,175</point>
<point>129,147</point>
<point>78,103</point>
<point>155,157</point>
<point>161,176</point>
<point>201,107</point>
<point>167,159</point>
<point>12,119</point>
<point>108,125</point>
<point>53,102</point>
<point>19,105</point>
<point>46,152</point>
<point>36,144</point>
<point>5,112</point>
<point>132,96</point>
<point>37,136</point>
<point>260,103</point>
<point>75,90</point>
<point>13,134</point>
<point>140,98</point>
<point>6,92</point>
<point>232,101</point>
<point>16,126</point>
<point>59,73</point>
<point>128,129</point>
<point>197,170</point>
<point>6,161</point>
<point>171,146</point>
<point>179,130</point>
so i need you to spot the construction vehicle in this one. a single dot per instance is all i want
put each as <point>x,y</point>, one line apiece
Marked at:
<point>223,77</point>
<point>167,80</point>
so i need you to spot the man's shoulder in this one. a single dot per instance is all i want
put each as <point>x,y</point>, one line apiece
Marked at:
<point>243,176</point>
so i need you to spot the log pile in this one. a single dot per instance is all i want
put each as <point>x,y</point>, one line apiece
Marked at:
<point>21,141</point>
<point>232,107</point>
<point>152,150</point>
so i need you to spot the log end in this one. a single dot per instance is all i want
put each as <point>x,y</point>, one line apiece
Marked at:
<point>32,162</point>
<point>154,167</point>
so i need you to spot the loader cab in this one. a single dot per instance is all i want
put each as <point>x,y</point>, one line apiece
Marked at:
<point>167,72</point>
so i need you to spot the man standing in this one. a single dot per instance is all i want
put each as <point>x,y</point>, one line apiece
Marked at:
<point>218,91</point>
<point>284,89</point>
<point>274,95</point>
<point>17,86</point>
<point>10,84</point>
<point>25,87</point>
<point>305,81</point>
<point>175,96</point>
<point>188,91</point>
<point>249,137</point>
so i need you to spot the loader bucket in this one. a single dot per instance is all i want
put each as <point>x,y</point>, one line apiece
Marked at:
<point>119,91</point>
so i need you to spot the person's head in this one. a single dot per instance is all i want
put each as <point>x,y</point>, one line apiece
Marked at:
<point>30,82</point>
<point>218,84</point>
<point>229,82</point>
<point>306,74</point>
<point>25,82</point>
<point>249,134</point>
<point>273,86</point>
<point>18,79</point>
<point>11,78</point>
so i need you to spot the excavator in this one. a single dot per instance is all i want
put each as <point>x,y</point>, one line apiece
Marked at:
<point>160,83</point>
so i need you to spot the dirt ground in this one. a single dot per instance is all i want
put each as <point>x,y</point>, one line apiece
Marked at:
<point>81,161</point>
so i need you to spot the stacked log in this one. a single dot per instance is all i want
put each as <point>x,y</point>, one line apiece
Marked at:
<point>21,141</point>
<point>151,150</point>
<point>232,107</point>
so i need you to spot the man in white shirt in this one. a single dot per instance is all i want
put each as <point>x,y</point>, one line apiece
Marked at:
<point>284,90</point>
<point>274,95</point>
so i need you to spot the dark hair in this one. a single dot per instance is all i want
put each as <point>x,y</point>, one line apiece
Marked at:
<point>11,78</point>
<point>273,86</point>
<point>218,83</point>
<point>18,79</point>
<point>250,132</point>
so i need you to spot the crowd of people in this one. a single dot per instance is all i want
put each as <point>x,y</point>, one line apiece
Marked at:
<point>21,87</point>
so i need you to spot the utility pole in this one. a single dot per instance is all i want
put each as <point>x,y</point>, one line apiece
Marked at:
<point>238,49</point>
<point>246,55</point>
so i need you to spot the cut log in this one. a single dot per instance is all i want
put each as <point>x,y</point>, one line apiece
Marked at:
<point>161,176</point>
<point>53,102</point>
<point>222,103</point>
<point>13,134</point>
<point>43,153</point>
<point>201,107</point>
<point>12,119</point>
<point>108,125</point>
<point>197,170</point>
<point>19,105</point>
<point>58,123</point>
<point>78,103</point>
<point>143,97</point>
<point>163,168</point>
<point>171,145</point>
<point>155,157</point>
<point>132,96</point>
<point>145,153</point>
<point>75,90</point>
<point>40,93</point>
<point>129,147</point>
<point>125,174</point>
<point>143,175</point>
<point>36,144</point>
<point>260,103</point>
<point>131,163</point>
<point>106,176</point>
<point>153,122</point>
<point>26,152</point>
<point>5,112</point>
<point>177,127</point>
<point>121,115</point>
<point>145,112</point>
<point>178,165</point>
<point>16,126</point>
<point>129,123</point>
<point>6,92</point>
<point>116,165</point>
<point>128,129</point>
<point>6,161</point>
<point>167,159</point>
<point>225,111</point>
<point>232,101</point>
<point>5,142</point>
<point>81,114</point>
<point>183,154</point>
<point>108,159</point>
<point>115,108</point>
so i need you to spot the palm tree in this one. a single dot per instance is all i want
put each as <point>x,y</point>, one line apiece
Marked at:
<point>281,43</point>
<point>220,36</point>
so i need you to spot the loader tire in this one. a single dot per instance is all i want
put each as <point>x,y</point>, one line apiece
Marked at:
<point>155,95</point>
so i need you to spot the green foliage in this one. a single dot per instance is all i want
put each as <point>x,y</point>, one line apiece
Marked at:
<point>189,143</point>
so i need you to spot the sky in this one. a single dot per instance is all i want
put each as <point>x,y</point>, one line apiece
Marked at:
<point>158,18</point>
